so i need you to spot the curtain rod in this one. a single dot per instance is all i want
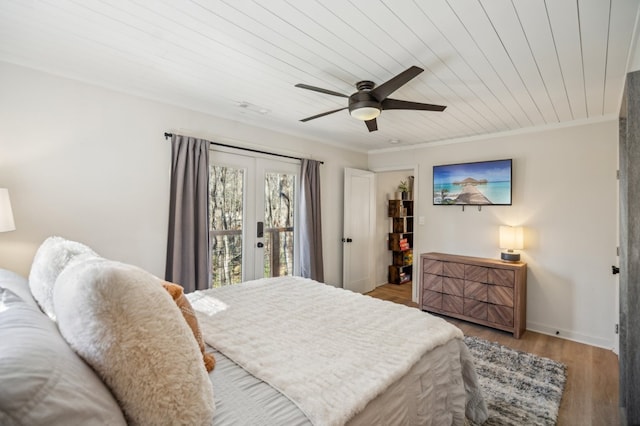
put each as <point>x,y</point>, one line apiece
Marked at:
<point>168,135</point>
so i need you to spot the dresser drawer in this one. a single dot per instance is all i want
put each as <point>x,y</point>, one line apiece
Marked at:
<point>475,309</point>
<point>432,282</point>
<point>453,269</point>
<point>500,295</point>
<point>502,315</point>
<point>476,273</point>
<point>475,290</point>
<point>432,299</point>
<point>453,304</point>
<point>504,277</point>
<point>432,266</point>
<point>453,286</point>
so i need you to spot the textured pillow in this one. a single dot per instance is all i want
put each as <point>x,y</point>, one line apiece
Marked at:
<point>52,257</point>
<point>17,284</point>
<point>176,291</point>
<point>42,381</point>
<point>123,323</point>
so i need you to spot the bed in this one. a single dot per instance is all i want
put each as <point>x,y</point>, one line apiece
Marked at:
<point>294,351</point>
<point>289,351</point>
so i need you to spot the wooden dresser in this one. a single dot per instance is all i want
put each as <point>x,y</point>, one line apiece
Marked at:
<point>484,291</point>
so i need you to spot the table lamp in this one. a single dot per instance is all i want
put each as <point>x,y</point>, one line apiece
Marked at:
<point>511,238</point>
<point>6,214</point>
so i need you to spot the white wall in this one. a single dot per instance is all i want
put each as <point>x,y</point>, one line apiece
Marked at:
<point>634,50</point>
<point>564,194</point>
<point>92,165</point>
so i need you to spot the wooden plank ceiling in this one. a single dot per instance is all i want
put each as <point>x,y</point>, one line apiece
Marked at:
<point>498,65</point>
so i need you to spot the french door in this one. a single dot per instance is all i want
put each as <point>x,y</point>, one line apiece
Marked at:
<point>253,216</point>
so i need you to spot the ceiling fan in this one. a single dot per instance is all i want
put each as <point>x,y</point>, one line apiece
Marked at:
<point>367,103</point>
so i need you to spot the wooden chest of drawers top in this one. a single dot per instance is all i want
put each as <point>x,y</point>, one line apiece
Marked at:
<point>472,268</point>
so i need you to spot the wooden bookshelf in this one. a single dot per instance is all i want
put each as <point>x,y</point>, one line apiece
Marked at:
<point>401,241</point>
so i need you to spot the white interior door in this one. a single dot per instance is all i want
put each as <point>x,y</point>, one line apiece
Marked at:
<point>253,217</point>
<point>359,230</point>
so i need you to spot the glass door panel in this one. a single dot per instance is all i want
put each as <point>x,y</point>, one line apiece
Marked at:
<point>279,213</point>
<point>245,191</point>
<point>226,208</point>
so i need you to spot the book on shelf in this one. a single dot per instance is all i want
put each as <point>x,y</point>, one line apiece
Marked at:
<point>404,277</point>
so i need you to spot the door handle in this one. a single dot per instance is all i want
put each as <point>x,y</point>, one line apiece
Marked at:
<point>260,245</point>
<point>347,240</point>
<point>615,269</point>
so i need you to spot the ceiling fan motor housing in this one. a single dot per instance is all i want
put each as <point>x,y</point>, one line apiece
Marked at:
<point>363,97</point>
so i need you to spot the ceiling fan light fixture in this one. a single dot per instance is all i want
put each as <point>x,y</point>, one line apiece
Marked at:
<point>363,106</point>
<point>365,113</point>
<point>368,102</point>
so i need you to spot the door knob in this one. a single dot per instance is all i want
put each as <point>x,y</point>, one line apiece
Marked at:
<point>260,245</point>
<point>615,269</point>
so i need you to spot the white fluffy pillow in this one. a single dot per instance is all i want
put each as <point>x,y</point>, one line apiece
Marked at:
<point>124,324</point>
<point>52,257</point>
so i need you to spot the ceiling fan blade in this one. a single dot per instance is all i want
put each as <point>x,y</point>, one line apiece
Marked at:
<point>321,90</point>
<point>322,114</point>
<point>385,89</point>
<point>398,104</point>
<point>372,125</point>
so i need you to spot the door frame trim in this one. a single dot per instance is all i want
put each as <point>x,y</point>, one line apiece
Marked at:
<point>415,283</point>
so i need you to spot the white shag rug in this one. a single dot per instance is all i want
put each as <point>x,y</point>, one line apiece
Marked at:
<point>519,388</point>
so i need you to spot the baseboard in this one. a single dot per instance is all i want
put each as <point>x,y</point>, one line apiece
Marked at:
<point>623,415</point>
<point>570,335</point>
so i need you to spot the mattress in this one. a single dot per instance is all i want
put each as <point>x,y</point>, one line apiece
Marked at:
<point>431,393</point>
<point>298,352</point>
<point>243,399</point>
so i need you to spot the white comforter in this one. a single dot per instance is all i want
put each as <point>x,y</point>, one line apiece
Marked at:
<point>330,351</point>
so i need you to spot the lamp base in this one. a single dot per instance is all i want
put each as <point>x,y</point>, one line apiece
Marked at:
<point>510,256</point>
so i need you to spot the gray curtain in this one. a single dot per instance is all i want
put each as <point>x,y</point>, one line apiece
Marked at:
<point>310,224</point>
<point>188,260</point>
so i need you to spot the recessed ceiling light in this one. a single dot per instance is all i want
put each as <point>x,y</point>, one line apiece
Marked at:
<point>253,108</point>
<point>394,141</point>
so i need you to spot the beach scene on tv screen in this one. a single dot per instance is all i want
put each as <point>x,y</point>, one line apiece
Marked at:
<point>482,183</point>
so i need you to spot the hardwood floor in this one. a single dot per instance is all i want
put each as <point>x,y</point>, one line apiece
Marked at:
<point>591,392</point>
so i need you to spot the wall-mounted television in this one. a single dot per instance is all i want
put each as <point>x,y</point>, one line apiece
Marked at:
<point>483,183</point>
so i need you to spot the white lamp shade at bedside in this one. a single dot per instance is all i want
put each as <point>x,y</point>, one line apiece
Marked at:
<point>6,214</point>
<point>511,238</point>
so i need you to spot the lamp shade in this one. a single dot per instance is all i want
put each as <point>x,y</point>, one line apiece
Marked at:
<point>511,237</point>
<point>6,214</point>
